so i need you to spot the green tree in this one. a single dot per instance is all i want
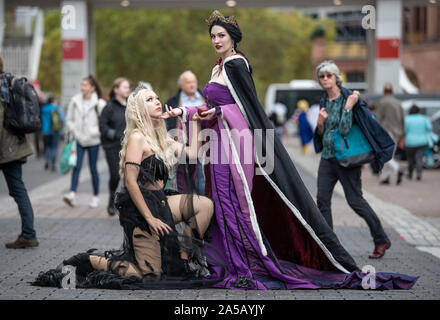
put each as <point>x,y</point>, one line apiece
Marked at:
<point>49,72</point>
<point>157,45</point>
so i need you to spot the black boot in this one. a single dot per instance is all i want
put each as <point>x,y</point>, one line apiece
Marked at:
<point>82,263</point>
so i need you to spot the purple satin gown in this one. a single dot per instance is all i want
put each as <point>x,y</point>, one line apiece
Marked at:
<point>234,238</point>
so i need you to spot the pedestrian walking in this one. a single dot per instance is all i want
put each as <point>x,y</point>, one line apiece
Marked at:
<point>312,117</point>
<point>389,113</point>
<point>304,127</point>
<point>340,108</point>
<point>82,122</point>
<point>313,113</point>
<point>418,130</point>
<point>112,126</point>
<point>13,154</point>
<point>278,115</point>
<point>52,121</point>
<point>188,95</point>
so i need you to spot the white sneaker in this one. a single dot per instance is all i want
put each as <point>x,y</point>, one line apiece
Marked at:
<point>94,203</point>
<point>69,198</point>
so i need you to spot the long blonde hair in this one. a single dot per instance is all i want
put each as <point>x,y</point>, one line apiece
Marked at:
<point>138,119</point>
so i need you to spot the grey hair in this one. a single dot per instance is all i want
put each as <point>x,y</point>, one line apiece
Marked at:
<point>331,67</point>
<point>184,73</point>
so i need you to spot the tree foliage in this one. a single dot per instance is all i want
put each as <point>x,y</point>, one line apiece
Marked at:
<point>49,72</point>
<point>157,45</point>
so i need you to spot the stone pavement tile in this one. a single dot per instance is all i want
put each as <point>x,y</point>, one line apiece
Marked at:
<point>62,237</point>
<point>212,297</point>
<point>285,297</point>
<point>315,297</point>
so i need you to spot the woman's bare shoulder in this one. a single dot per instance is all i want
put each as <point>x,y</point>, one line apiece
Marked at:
<point>137,140</point>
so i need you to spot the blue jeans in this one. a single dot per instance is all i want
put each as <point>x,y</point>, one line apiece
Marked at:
<point>200,179</point>
<point>13,175</point>
<point>93,159</point>
<point>51,147</point>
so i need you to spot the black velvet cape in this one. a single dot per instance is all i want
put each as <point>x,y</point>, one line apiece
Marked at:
<point>286,212</point>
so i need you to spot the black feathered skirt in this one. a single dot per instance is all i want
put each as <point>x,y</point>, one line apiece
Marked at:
<point>145,259</point>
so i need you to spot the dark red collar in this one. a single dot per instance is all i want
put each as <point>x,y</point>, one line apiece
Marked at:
<point>219,60</point>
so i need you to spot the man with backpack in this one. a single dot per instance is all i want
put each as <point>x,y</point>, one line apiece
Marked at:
<point>52,121</point>
<point>14,150</point>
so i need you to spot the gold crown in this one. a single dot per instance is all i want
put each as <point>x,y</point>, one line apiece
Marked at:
<point>216,15</point>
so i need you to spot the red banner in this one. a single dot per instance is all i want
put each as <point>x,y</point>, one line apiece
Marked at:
<point>387,48</point>
<point>73,49</point>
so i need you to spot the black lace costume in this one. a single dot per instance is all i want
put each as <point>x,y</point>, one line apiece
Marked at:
<point>145,259</point>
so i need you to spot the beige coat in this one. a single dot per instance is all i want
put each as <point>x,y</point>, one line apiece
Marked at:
<point>85,129</point>
<point>389,113</point>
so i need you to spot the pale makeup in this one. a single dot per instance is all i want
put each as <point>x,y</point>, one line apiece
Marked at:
<point>221,40</point>
<point>153,105</point>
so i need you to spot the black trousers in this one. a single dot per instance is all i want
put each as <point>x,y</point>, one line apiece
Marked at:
<point>415,160</point>
<point>329,173</point>
<point>112,157</point>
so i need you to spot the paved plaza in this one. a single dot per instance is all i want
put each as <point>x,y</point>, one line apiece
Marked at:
<point>63,231</point>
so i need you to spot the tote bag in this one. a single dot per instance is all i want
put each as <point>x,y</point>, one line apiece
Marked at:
<point>68,157</point>
<point>353,149</point>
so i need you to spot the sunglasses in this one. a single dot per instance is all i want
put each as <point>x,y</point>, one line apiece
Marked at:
<point>326,75</point>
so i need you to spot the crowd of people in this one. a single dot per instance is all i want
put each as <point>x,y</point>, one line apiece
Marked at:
<point>214,224</point>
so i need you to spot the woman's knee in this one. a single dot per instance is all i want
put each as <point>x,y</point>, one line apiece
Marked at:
<point>207,205</point>
<point>357,203</point>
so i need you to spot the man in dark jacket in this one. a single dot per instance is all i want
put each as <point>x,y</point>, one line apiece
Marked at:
<point>13,153</point>
<point>187,96</point>
<point>339,109</point>
<point>112,126</point>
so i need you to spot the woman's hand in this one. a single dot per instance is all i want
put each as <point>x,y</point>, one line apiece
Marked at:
<point>323,115</point>
<point>352,100</point>
<point>171,113</point>
<point>207,115</point>
<point>160,227</point>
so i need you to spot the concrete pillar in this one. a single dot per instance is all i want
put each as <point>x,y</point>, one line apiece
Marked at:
<point>91,40</point>
<point>2,22</point>
<point>432,24</point>
<point>371,48</point>
<point>388,37</point>
<point>74,36</point>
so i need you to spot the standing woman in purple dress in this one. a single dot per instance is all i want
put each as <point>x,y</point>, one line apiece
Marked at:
<point>266,224</point>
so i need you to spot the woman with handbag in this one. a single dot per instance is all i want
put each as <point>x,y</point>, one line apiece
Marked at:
<point>336,115</point>
<point>82,122</point>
